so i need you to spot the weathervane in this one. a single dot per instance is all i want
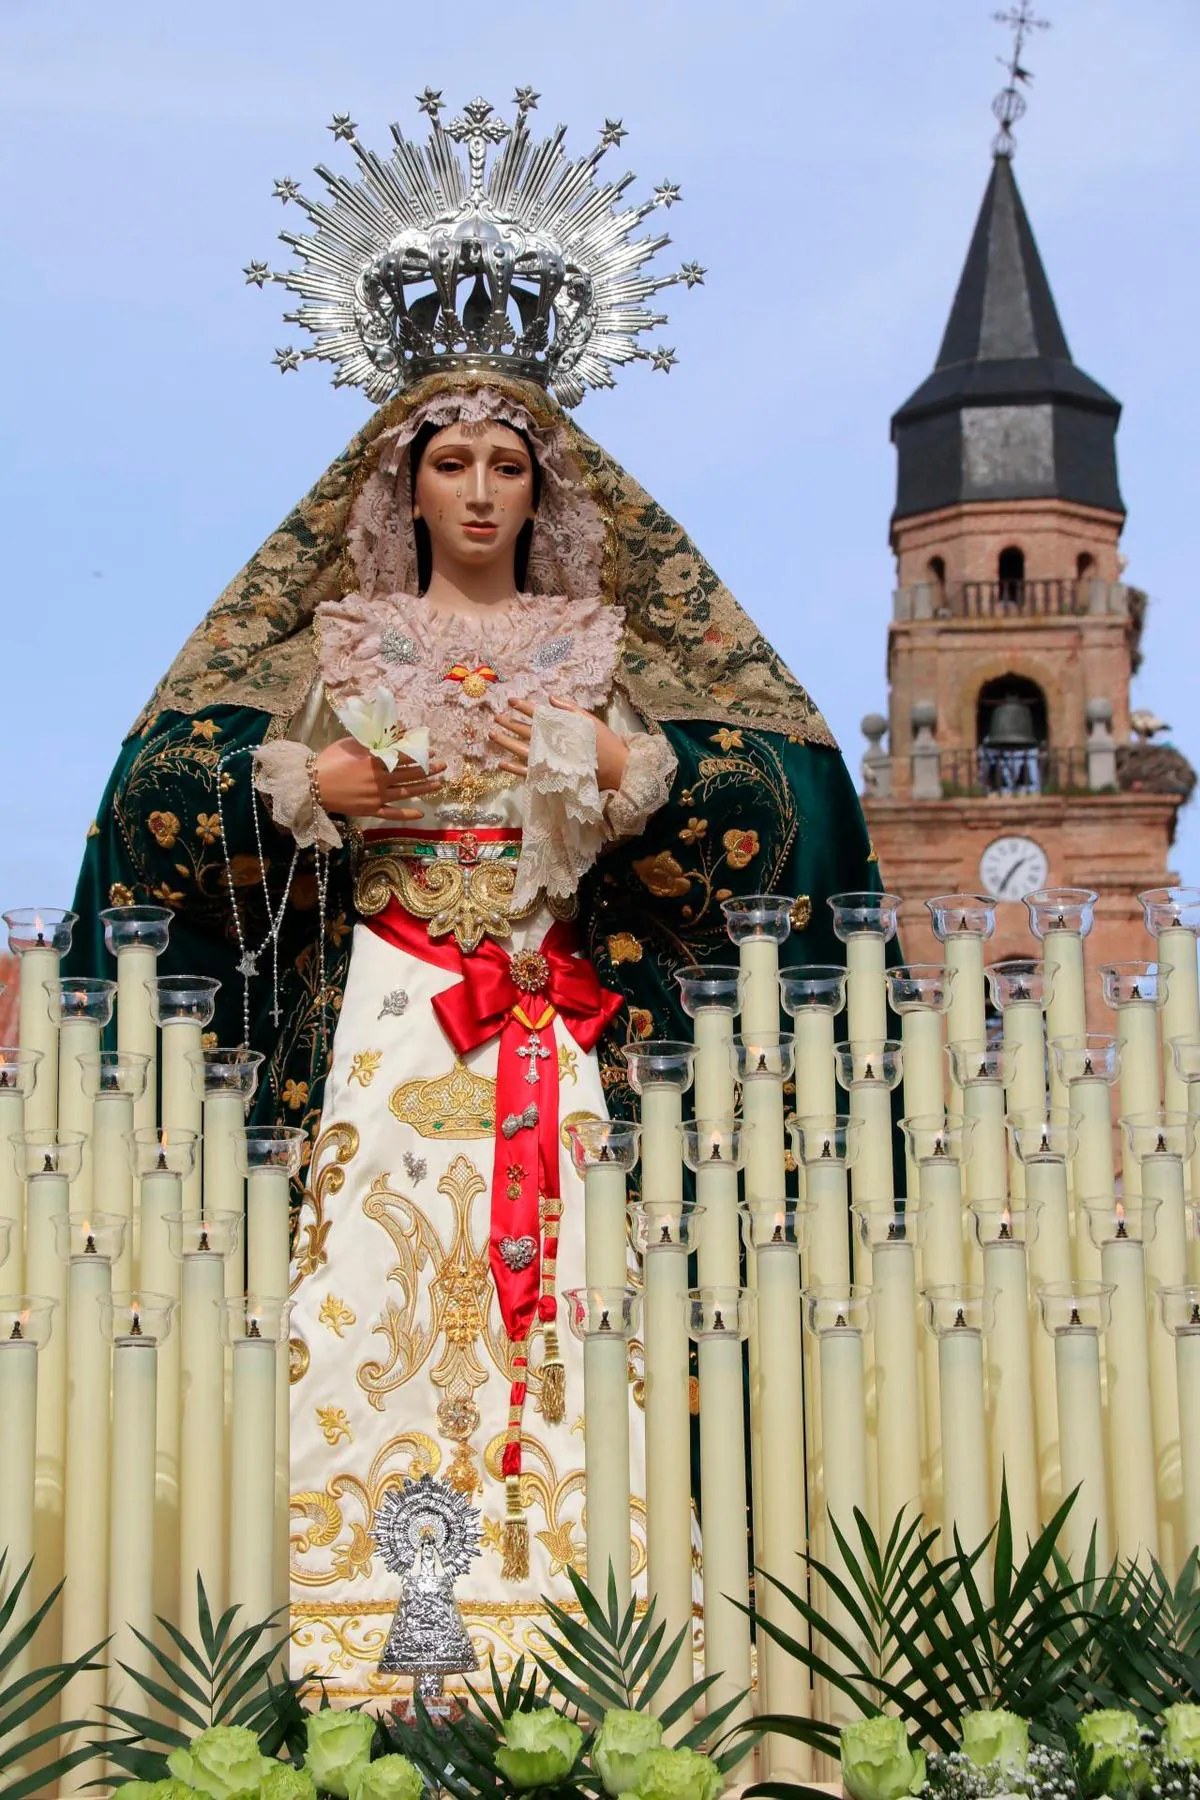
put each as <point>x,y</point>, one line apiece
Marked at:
<point>1009,104</point>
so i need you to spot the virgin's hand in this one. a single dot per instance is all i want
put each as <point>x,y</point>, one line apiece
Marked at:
<point>514,728</point>
<point>612,752</point>
<point>353,782</point>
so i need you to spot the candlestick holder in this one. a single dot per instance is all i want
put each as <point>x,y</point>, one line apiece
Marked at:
<point>1120,1221</point>
<point>920,987</point>
<point>961,915</point>
<point>957,1306</point>
<point>1049,1135</point>
<point>864,915</point>
<point>938,1137</point>
<point>1171,909</point>
<point>975,1062</point>
<point>254,1318</point>
<point>813,988</point>
<point>1185,1054</point>
<point>137,1318</point>
<point>883,1224</point>
<point>661,1227</point>
<point>82,1000</point>
<point>714,1144</point>
<point>1152,1134</point>
<point>999,1223</point>
<point>724,1314</point>
<point>751,916</point>
<point>1020,981</point>
<point>19,1069</point>
<point>603,1312</point>
<point>26,1319</point>
<point>603,1144</point>
<point>659,1062</point>
<point>7,1227</point>
<point>136,928</point>
<point>1071,1306</point>
<point>39,928</point>
<point>1091,1056</point>
<point>1061,909</point>
<point>121,1073</point>
<point>712,985</point>
<point>776,1224</point>
<point>183,999</point>
<point>270,1147</point>
<point>1134,983</point>
<point>153,1150</point>
<point>765,1055</point>
<point>94,1234</point>
<point>1179,1310</point>
<point>48,1153</point>
<point>225,1070</point>
<point>834,1308</point>
<point>877,1062</point>
<point>202,1234</point>
<point>827,1140</point>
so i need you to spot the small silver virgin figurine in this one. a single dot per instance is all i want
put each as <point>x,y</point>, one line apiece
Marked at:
<point>428,1534</point>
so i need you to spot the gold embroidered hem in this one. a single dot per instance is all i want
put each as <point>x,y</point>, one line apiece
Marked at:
<point>470,900</point>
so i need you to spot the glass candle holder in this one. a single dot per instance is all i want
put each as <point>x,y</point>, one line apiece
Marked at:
<point>40,928</point>
<point>878,1062</point>
<point>26,1319</point>
<point>270,1147</point>
<point>225,1071</point>
<point>856,914</point>
<point>1075,1306</point>
<point>825,1138</point>
<point>1061,909</point>
<point>837,1308</point>
<point>1171,909</point>
<point>202,1234</point>
<point>191,998</point>
<point>956,1307</point>
<point>6,1235</point>
<point>136,1318</point>
<point>1126,983</point>
<point>961,915</point>
<point>256,1317</point>
<point>156,1151</point>
<point>1158,1134</point>
<point>98,1234</point>
<point>665,1227</point>
<point>775,1224</point>
<point>720,1312</point>
<point>603,1143</point>
<point>1048,1136</point>
<point>19,1069</point>
<point>938,1137</point>
<point>1003,1222</point>
<point>84,999</point>
<point>719,985</point>
<point>973,1060</point>
<point>749,916</point>
<point>114,1072</point>
<point>879,1223</point>
<point>1091,1057</point>
<point>1179,1310</point>
<point>1020,980</point>
<point>48,1153</point>
<point>766,1056</point>
<point>659,1062</point>
<point>813,987</point>
<point>714,1143</point>
<point>1185,1054</point>
<point>920,986</point>
<point>602,1312</point>
<point>1119,1221</point>
<point>136,927</point>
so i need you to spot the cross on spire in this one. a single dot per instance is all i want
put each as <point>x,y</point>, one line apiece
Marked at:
<point>1009,104</point>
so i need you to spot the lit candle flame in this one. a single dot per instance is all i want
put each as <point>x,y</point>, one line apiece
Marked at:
<point>1119,1213</point>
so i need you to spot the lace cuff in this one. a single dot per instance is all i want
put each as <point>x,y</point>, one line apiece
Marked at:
<point>645,785</point>
<point>281,777</point>
<point>563,825</point>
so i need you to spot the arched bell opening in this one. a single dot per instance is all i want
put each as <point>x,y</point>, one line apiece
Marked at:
<point>1012,733</point>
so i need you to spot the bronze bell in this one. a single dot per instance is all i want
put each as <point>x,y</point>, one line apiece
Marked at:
<point>1012,727</point>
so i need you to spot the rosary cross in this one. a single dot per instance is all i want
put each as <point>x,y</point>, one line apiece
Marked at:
<point>533,1052</point>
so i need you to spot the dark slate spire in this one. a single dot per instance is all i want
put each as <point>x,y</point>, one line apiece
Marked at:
<point>1006,415</point>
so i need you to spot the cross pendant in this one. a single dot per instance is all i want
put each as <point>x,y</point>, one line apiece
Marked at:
<point>533,1052</point>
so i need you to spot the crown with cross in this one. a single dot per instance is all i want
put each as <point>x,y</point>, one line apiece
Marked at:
<point>516,258</point>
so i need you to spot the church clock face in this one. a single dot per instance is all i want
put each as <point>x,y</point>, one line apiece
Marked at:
<point>1012,867</point>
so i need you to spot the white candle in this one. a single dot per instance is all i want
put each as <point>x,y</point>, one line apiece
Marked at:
<point>1012,1434</point>
<point>76,1038</point>
<point>942,1265</point>
<point>46,1274</point>
<point>223,1187</point>
<point>1166,1267</point>
<point>1187,1354</point>
<point>136,1030</point>
<point>965,1505</point>
<point>606,1456</point>
<point>843,1397</point>
<point>252,1457</point>
<point>202,1441</point>
<point>12,1187</point>
<point>1180,1015</point>
<point>762,1110</point>
<point>1091,1166</point>
<point>85,1533</point>
<point>668,1452</point>
<point>159,1271</point>
<point>966,1015</point>
<point>987,1165</point>
<point>1049,1265</point>
<point>871,1174</point>
<point>18,1451</point>
<point>182,1104</point>
<point>816,1088</point>
<point>866,1008</point>
<point>1025,1092</point>
<point>759,961</point>
<point>1081,1443</point>
<point>1127,1362</point>
<point>39,940</point>
<point>1066,1013</point>
<point>1137,1033</point>
<point>826,1188</point>
<point>132,1515</point>
<point>719,1316</point>
<point>924,1071</point>
<point>605,1230</point>
<point>713,1077</point>
<point>112,1122</point>
<point>897,1383</point>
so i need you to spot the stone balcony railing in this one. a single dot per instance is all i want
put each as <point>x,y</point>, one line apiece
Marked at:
<point>1016,600</point>
<point>1102,766</point>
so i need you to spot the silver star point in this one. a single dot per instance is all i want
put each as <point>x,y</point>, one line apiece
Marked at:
<point>693,273</point>
<point>525,99</point>
<point>286,189</point>
<point>342,126</point>
<point>258,273</point>
<point>612,134</point>
<point>663,358</point>
<point>430,101</point>
<point>667,193</point>
<point>285,360</point>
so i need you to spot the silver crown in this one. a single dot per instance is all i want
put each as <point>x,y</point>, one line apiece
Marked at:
<point>526,267</point>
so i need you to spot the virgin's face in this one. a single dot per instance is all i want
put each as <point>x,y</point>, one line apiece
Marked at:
<point>474,492</point>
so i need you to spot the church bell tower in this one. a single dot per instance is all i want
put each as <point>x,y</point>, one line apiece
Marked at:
<point>1012,761</point>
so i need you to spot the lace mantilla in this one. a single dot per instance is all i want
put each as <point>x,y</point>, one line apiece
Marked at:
<point>455,675</point>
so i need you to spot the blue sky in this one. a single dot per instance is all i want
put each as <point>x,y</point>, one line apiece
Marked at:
<point>832,158</point>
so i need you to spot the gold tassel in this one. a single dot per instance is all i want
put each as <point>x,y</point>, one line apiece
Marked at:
<point>515,1541</point>
<point>554,1393</point>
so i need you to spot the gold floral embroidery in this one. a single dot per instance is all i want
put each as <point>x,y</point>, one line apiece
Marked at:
<point>623,947</point>
<point>207,729</point>
<point>168,895</point>
<point>208,827</point>
<point>337,1315</point>
<point>295,1094</point>
<point>568,1063</point>
<point>662,875</point>
<point>120,895</point>
<point>740,847</point>
<point>365,1066</point>
<point>208,1040</point>
<point>463,1473</point>
<point>355,1559</point>
<point>641,1022</point>
<point>801,912</point>
<point>407,1456</point>
<point>334,1424</point>
<point>693,831</point>
<point>163,828</point>
<point>338,929</point>
<point>330,1180</point>
<point>298,1359</point>
<point>458,1104</point>
<point>727,739</point>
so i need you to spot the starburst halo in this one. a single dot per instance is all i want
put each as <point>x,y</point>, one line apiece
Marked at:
<point>427,1508</point>
<point>514,257</point>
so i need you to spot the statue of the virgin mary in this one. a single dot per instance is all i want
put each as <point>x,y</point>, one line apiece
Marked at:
<point>449,783</point>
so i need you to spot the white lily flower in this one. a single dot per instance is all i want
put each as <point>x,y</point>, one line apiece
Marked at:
<point>375,723</point>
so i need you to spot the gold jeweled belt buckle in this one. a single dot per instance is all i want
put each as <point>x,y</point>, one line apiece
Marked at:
<point>530,971</point>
